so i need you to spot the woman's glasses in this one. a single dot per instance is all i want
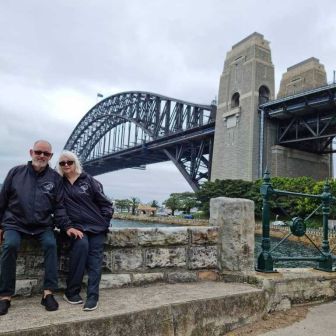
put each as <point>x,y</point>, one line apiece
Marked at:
<point>68,163</point>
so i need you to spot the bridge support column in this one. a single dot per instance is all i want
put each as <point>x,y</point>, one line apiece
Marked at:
<point>235,219</point>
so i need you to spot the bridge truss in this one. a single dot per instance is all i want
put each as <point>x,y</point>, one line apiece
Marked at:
<point>305,121</point>
<point>132,129</point>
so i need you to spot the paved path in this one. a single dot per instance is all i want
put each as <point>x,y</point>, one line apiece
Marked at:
<point>320,321</point>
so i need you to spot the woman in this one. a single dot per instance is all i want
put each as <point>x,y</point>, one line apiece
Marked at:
<point>90,213</point>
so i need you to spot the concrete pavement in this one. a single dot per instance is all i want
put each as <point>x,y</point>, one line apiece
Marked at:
<point>320,321</point>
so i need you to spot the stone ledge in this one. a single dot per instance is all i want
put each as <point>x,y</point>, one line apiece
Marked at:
<point>161,310</point>
<point>290,286</point>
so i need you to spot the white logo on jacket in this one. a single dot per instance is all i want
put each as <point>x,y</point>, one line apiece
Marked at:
<point>47,187</point>
<point>83,186</point>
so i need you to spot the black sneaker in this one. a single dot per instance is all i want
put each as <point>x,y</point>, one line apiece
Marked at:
<point>91,304</point>
<point>73,299</point>
<point>4,306</point>
<point>49,303</point>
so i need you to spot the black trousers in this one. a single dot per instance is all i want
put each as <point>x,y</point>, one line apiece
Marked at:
<point>86,254</point>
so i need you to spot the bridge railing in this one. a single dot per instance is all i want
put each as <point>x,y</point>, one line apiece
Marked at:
<point>295,226</point>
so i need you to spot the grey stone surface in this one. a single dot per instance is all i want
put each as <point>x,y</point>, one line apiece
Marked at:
<point>202,257</point>
<point>204,308</point>
<point>122,238</point>
<point>25,287</point>
<point>320,321</point>
<point>247,67</point>
<point>163,236</point>
<point>114,280</point>
<point>235,218</point>
<point>182,276</point>
<point>204,235</point>
<point>147,278</point>
<point>127,259</point>
<point>166,257</point>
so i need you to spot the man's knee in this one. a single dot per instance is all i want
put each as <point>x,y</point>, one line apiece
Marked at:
<point>49,243</point>
<point>11,242</point>
<point>11,245</point>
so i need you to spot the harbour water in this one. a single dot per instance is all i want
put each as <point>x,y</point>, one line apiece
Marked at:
<point>287,248</point>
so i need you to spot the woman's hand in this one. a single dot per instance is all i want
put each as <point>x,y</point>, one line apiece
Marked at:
<point>74,233</point>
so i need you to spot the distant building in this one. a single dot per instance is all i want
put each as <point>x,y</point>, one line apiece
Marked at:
<point>144,209</point>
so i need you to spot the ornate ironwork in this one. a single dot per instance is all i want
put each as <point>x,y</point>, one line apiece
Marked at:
<point>131,129</point>
<point>297,226</point>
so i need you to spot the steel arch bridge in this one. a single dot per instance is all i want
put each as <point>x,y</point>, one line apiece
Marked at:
<point>132,129</point>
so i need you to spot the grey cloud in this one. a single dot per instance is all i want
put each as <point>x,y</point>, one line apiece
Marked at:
<point>175,48</point>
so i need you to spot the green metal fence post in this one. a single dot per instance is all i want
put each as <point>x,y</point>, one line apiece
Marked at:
<point>326,265</point>
<point>265,260</point>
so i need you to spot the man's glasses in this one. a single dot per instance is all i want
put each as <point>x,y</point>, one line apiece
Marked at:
<point>39,152</point>
<point>68,163</point>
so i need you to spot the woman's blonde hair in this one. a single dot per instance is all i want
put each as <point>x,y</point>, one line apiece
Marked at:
<point>73,157</point>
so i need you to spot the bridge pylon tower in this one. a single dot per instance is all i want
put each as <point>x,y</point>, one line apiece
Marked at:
<point>246,82</point>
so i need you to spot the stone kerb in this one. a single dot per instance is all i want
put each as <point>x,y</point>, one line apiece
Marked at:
<point>134,256</point>
<point>235,219</point>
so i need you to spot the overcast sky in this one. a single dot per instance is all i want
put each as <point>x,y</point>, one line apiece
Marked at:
<point>55,57</point>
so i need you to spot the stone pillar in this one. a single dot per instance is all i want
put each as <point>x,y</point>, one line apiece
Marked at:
<point>247,80</point>
<point>235,219</point>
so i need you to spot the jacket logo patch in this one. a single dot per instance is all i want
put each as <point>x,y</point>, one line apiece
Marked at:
<point>47,187</point>
<point>83,186</point>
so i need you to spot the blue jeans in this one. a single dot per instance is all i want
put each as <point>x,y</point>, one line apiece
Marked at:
<point>11,245</point>
<point>86,253</point>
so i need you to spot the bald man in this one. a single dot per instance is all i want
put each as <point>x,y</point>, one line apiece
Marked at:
<point>31,203</point>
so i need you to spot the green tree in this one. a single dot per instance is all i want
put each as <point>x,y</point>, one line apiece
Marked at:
<point>155,204</point>
<point>227,188</point>
<point>188,200</point>
<point>122,204</point>
<point>134,202</point>
<point>172,203</point>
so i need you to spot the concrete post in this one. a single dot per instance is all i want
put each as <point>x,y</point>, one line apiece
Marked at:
<point>235,219</point>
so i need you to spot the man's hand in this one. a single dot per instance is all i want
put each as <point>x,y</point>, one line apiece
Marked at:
<point>1,236</point>
<point>75,233</point>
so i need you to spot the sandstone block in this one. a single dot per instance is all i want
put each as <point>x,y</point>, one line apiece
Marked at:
<point>163,236</point>
<point>235,218</point>
<point>114,280</point>
<point>166,257</point>
<point>205,235</point>
<point>147,278</point>
<point>173,277</point>
<point>127,259</point>
<point>122,237</point>
<point>202,257</point>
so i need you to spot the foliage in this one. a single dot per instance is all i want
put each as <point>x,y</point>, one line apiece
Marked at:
<point>122,204</point>
<point>182,201</point>
<point>134,202</point>
<point>172,203</point>
<point>155,204</point>
<point>282,207</point>
<point>226,188</point>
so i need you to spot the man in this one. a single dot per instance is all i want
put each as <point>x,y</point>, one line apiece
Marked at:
<point>31,200</point>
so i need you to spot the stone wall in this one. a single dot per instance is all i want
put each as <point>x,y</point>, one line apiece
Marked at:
<point>134,257</point>
<point>139,256</point>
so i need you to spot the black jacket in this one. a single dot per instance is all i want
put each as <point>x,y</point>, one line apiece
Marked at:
<point>32,202</point>
<point>86,205</point>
